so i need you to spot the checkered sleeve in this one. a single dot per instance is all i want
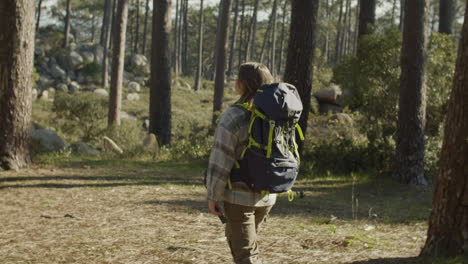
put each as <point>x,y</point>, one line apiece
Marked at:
<point>222,157</point>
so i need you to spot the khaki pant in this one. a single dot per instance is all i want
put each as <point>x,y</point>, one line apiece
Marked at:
<point>241,231</point>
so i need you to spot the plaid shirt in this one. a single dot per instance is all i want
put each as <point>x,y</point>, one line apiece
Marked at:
<point>230,139</point>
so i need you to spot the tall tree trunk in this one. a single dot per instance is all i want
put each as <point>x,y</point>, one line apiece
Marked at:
<point>266,37</point>
<point>448,224</point>
<point>176,38</point>
<point>106,39</point>
<point>393,11</point>
<point>179,36</point>
<point>253,25</point>
<point>338,33</point>
<point>39,9</point>
<point>273,39</point>
<point>241,33</point>
<point>446,15</point>
<point>402,14</point>
<point>409,163</point>
<point>283,32</point>
<point>344,42</point>
<point>16,65</point>
<point>66,32</point>
<point>160,93</point>
<point>232,49</point>
<point>185,41</point>
<point>198,77</point>
<point>366,18</point>
<point>137,27</point>
<point>299,64</point>
<point>131,22</point>
<point>221,47</point>
<point>112,27</point>
<point>356,28</point>
<point>105,21</point>
<point>145,28</point>
<point>115,97</point>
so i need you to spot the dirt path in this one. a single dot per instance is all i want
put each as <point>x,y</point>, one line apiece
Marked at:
<point>156,213</point>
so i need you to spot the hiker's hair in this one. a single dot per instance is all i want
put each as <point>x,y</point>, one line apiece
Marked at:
<point>251,76</point>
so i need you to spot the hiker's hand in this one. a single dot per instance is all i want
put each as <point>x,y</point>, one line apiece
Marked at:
<point>214,208</point>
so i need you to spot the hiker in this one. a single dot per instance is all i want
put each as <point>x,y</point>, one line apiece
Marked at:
<point>244,208</point>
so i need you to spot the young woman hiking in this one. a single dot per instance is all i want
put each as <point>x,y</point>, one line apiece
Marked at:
<point>244,209</point>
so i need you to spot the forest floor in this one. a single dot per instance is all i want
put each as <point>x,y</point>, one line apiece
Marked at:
<point>118,211</point>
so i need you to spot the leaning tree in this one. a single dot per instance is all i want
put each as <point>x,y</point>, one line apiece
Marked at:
<point>448,224</point>
<point>16,64</point>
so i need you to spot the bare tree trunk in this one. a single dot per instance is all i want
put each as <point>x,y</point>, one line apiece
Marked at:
<point>179,37</point>
<point>241,33</point>
<point>105,21</point>
<point>115,97</point>
<point>273,40</point>
<point>232,49</point>
<point>145,28</point>
<point>114,10</point>
<point>253,25</point>
<point>409,162</point>
<point>66,33</point>
<point>366,18</point>
<point>402,14</point>
<point>137,27</point>
<point>106,38</point>
<point>185,41</point>
<point>16,65</point>
<point>198,78</point>
<point>346,31</point>
<point>299,64</point>
<point>176,38</point>
<point>356,28</point>
<point>93,27</point>
<point>39,9</point>
<point>338,33</point>
<point>394,11</point>
<point>283,32</point>
<point>446,15</point>
<point>448,224</point>
<point>265,39</point>
<point>160,93</point>
<point>221,47</point>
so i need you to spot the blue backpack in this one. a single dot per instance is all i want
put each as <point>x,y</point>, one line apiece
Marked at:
<point>270,161</point>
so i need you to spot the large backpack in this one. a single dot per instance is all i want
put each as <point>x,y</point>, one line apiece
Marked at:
<point>270,161</point>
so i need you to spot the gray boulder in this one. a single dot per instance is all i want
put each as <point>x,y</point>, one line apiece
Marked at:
<point>101,91</point>
<point>87,55</point>
<point>62,88</point>
<point>134,86</point>
<point>45,95</point>
<point>57,72</point>
<point>73,87</point>
<point>330,95</point>
<point>44,82</point>
<point>47,141</point>
<point>110,146</point>
<point>133,97</point>
<point>34,93</point>
<point>98,54</point>
<point>70,61</point>
<point>83,149</point>
<point>139,65</point>
<point>127,116</point>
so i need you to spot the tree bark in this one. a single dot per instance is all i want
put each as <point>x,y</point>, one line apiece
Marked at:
<point>106,40</point>
<point>39,9</point>
<point>338,34</point>
<point>232,49</point>
<point>241,34</point>
<point>221,47</point>
<point>160,92</point>
<point>145,28</point>
<point>185,41</point>
<point>137,27</point>
<point>273,39</point>
<point>448,224</point>
<point>446,15</point>
<point>409,163</point>
<point>105,21</point>
<point>198,78</point>
<point>402,14</point>
<point>66,32</point>
<point>16,65</point>
<point>299,63</point>
<point>253,25</point>
<point>115,96</point>
<point>366,19</point>
<point>176,38</point>
<point>283,32</point>
<point>394,11</point>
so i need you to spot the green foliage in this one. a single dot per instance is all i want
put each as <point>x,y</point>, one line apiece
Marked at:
<point>129,136</point>
<point>93,71</point>
<point>82,115</point>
